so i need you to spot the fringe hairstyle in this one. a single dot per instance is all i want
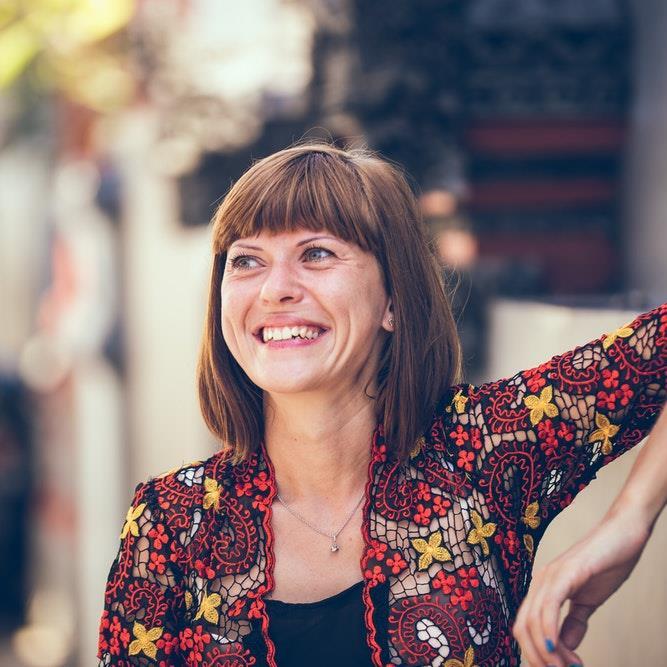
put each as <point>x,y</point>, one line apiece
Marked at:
<point>359,198</point>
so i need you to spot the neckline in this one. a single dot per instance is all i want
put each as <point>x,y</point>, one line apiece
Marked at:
<point>317,603</point>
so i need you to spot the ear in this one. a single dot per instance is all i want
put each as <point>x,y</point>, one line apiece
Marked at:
<point>388,323</point>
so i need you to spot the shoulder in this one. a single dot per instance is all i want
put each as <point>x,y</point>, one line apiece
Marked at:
<point>175,494</point>
<point>456,418</point>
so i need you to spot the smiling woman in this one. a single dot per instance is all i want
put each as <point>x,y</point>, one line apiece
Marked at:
<point>369,235</point>
<point>365,507</point>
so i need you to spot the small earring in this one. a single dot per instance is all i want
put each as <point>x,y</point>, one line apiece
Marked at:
<point>391,321</point>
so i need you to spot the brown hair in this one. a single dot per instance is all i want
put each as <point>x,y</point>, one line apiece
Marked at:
<point>363,199</point>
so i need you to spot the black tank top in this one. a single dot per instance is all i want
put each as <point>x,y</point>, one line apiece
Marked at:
<point>326,633</point>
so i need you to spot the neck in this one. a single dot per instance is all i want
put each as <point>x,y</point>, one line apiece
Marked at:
<point>320,446</point>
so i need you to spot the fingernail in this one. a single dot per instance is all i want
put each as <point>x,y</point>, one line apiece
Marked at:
<point>550,645</point>
<point>575,664</point>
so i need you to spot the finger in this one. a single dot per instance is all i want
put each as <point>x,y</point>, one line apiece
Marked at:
<point>575,625</point>
<point>520,630</point>
<point>545,642</point>
<point>546,626</point>
<point>570,658</point>
<point>567,657</point>
<point>544,657</point>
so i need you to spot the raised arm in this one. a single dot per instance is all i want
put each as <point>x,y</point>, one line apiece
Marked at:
<point>592,569</point>
<point>546,431</point>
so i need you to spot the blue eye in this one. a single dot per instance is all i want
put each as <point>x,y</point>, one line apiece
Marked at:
<point>242,262</point>
<point>247,262</point>
<point>311,251</point>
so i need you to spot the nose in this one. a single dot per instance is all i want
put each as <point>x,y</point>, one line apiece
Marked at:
<point>281,284</point>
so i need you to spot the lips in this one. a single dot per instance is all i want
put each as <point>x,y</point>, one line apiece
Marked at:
<point>280,322</point>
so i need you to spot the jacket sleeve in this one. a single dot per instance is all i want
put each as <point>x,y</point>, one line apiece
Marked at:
<point>546,431</point>
<point>143,598</point>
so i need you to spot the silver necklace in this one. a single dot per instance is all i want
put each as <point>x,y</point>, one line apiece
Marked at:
<point>332,536</point>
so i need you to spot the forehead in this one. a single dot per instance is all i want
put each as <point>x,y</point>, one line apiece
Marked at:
<point>269,239</point>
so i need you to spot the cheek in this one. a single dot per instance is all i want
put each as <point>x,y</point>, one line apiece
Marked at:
<point>232,312</point>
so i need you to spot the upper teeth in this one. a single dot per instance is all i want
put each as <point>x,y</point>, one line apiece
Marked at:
<point>283,333</point>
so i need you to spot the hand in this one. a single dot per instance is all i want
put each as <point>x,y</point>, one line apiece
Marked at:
<point>586,575</point>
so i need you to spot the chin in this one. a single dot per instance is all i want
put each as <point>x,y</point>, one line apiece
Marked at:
<point>286,384</point>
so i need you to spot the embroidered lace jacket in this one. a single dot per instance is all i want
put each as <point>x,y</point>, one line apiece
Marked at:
<point>450,535</point>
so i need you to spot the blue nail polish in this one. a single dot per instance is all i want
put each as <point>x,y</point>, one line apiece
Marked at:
<point>550,645</point>
<point>575,664</point>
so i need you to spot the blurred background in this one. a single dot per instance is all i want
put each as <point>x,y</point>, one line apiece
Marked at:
<point>535,134</point>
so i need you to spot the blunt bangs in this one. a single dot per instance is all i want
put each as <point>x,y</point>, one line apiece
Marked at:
<point>301,188</point>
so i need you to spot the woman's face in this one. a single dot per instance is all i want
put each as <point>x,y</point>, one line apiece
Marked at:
<point>304,311</point>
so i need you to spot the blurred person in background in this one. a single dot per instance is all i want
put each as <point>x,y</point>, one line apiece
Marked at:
<point>366,506</point>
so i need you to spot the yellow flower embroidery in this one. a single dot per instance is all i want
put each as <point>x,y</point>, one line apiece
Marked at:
<point>605,431</point>
<point>212,495</point>
<point>430,550</point>
<point>610,338</point>
<point>459,401</point>
<point>530,518</point>
<point>419,443</point>
<point>480,532</point>
<point>188,599</point>
<point>529,544</point>
<point>207,609</point>
<point>539,406</point>
<point>468,660</point>
<point>131,525</point>
<point>144,640</point>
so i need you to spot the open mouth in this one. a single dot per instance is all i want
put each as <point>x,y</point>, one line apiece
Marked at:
<point>287,334</point>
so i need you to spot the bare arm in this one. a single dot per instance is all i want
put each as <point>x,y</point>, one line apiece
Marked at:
<point>645,489</point>
<point>590,571</point>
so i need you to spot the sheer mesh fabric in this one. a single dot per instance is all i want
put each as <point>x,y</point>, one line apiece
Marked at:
<point>450,534</point>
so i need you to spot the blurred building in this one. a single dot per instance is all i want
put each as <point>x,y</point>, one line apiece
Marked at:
<point>535,133</point>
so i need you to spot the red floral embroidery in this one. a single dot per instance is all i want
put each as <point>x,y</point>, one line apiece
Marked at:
<point>624,394</point>
<point>168,643</point>
<point>459,435</point>
<point>441,505</point>
<point>610,378</point>
<point>547,433</point>
<point>443,581</point>
<point>194,641</point>
<point>423,491</point>
<point>462,597</point>
<point>158,536</point>
<point>422,515</point>
<point>204,571</point>
<point>261,481</point>
<point>157,563</point>
<point>465,460</point>
<point>396,563</point>
<point>375,575</point>
<point>243,489</point>
<point>606,401</point>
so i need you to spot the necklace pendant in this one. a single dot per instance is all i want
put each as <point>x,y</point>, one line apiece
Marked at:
<point>334,547</point>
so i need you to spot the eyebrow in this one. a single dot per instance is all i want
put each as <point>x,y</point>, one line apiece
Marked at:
<point>299,244</point>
